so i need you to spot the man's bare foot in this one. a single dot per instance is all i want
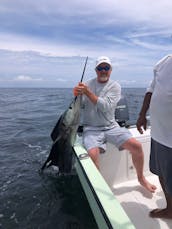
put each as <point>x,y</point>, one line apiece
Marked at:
<point>150,187</point>
<point>161,213</point>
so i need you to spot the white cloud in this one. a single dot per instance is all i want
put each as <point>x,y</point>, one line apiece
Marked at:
<point>61,80</point>
<point>135,34</point>
<point>26,78</point>
<point>152,46</point>
<point>146,33</point>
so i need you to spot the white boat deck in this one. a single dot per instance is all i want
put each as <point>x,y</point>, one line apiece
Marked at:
<point>137,202</point>
<point>117,176</point>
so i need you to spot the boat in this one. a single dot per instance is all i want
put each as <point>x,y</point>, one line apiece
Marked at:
<point>115,197</point>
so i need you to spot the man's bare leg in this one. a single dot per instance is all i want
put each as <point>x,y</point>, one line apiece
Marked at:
<point>165,212</point>
<point>136,151</point>
<point>94,154</point>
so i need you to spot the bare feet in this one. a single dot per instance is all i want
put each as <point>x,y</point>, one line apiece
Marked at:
<point>161,213</point>
<point>150,187</point>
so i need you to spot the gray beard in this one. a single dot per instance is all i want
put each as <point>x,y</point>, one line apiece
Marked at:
<point>103,78</point>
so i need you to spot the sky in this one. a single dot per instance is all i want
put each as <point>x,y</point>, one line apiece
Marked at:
<point>45,43</point>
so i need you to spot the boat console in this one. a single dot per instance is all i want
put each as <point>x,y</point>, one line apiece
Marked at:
<point>121,112</point>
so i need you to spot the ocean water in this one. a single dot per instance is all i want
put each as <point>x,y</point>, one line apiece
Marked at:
<point>29,200</point>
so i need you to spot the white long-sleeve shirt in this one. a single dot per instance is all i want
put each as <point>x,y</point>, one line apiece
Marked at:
<point>101,115</point>
<point>161,102</point>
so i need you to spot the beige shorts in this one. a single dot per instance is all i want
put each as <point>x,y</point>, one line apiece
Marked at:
<point>98,138</point>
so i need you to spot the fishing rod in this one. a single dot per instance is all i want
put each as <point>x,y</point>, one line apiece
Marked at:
<point>82,75</point>
<point>84,69</point>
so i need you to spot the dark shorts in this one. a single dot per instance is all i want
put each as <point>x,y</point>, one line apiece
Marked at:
<point>161,163</point>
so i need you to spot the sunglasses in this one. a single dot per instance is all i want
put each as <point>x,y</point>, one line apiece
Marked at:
<point>106,68</point>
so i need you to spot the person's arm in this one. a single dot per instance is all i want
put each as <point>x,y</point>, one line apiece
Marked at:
<point>142,121</point>
<point>93,98</point>
<point>103,103</point>
<point>109,100</point>
<point>82,88</point>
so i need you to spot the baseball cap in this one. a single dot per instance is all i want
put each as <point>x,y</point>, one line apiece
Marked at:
<point>103,59</point>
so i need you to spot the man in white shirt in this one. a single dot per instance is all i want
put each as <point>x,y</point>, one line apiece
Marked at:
<point>159,98</point>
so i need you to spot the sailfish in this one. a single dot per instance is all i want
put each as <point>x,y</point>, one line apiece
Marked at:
<point>63,136</point>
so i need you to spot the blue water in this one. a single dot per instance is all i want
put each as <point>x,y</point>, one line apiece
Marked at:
<point>29,200</point>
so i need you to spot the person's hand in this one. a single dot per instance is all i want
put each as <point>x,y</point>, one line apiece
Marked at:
<point>80,89</point>
<point>83,88</point>
<point>75,91</point>
<point>141,124</point>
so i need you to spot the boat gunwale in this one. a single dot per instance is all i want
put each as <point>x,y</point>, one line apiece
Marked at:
<point>94,194</point>
<point>101,198</point>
